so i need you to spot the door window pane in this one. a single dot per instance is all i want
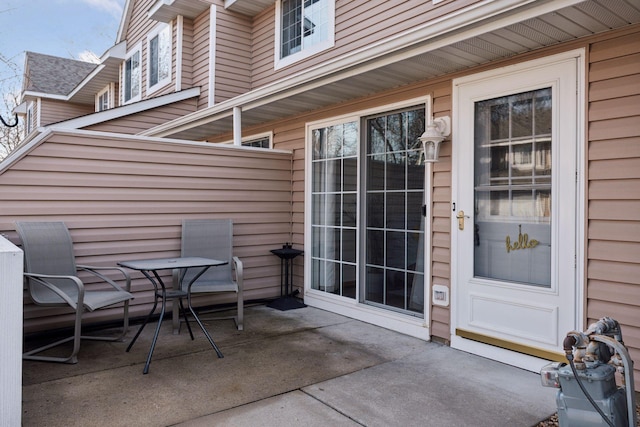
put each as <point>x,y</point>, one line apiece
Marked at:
<point>513,188</point>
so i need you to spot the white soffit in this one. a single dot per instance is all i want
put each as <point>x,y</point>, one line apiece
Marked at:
<point>166,10</point>
<point>248,7</point>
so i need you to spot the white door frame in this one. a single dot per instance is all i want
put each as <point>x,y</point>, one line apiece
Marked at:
<point>490,351</point>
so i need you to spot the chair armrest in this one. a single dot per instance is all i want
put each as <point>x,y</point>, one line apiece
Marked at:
<point>40,278</point>
<point>125,274</point>
<point>238,266</point>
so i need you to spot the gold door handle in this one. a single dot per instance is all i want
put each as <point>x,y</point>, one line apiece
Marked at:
<point>461,216</point>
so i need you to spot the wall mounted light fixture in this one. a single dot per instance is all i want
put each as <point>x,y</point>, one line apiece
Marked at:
<point>436,131</point>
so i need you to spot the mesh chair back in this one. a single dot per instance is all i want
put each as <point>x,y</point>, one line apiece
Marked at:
<point>48,249</point>
<point>209,238</point>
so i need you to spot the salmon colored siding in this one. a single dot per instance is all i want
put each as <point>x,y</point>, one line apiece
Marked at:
<point>233,55</point>
<point>201,57</point>
<point>187,54</point>
<point>52,111</point>
<point>263,47</point>
<point>125,199</point>
<point>613,250</point>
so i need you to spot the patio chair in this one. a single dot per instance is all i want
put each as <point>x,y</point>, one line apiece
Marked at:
<point>51,276</point>
<point>213,238</point>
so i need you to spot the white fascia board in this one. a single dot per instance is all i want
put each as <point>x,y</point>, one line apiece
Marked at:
<point>125,110</point>
<point>157,6</point>
<point>474,20</point>
<point>118,51</point>
<point>20,109</point>
<point>127,10</point>
<point>44,95</point>
<point>37,136</point>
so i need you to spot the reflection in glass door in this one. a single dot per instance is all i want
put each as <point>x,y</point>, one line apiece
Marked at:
<point>513,188</point>
<point>394,224</point>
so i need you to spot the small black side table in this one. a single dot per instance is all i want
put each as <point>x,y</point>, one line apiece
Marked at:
<point>287,300</point>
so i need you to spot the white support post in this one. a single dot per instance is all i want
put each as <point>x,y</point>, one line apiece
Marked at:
<point>237,126</point>
<point>11,263</point>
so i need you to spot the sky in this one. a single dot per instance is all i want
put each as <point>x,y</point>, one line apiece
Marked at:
<point>65,28</point>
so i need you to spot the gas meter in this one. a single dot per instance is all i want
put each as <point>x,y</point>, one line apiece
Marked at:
<point>588,393</point>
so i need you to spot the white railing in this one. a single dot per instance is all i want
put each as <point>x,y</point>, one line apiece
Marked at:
<point>11,260</point>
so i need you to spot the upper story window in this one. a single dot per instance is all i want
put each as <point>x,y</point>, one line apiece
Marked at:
<point>132,77</point>
<point>159,57</point>
<point>104,99</point>
<point>29,125</point>
<point>303,28</point>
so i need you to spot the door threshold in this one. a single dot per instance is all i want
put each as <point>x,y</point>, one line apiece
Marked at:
<point>514,354</point>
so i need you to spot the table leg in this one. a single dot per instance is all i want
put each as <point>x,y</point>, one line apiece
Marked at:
<point>153,309</point>
<point>162,311</point>
<point>195,316</point>
<point>155,335</point>
<point>184,314</point>
<point>175,314</point>
<point>163,295</point>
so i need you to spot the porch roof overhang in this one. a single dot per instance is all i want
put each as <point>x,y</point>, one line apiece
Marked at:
<point>484,32</point>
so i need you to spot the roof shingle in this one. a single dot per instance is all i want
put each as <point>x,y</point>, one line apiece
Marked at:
<point>54,75</point>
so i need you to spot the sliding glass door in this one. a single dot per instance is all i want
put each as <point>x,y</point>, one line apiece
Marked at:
<point>367,199</point>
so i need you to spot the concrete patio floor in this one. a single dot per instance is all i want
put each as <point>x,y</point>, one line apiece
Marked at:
<point>304,367</point>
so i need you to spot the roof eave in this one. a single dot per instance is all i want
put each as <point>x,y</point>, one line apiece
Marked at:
<point>248,7</point>
<point>167,10</point>
<point>101,76</point>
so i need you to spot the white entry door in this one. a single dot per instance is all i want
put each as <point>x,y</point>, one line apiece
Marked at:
<point>515,215</point>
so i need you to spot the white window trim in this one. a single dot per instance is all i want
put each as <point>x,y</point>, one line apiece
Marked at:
<point>414,326</point>
<point>179,51</point>
<point>136,49</point>
<point>29,123</point>
<point>304,53</point>
<point>167,80</point>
